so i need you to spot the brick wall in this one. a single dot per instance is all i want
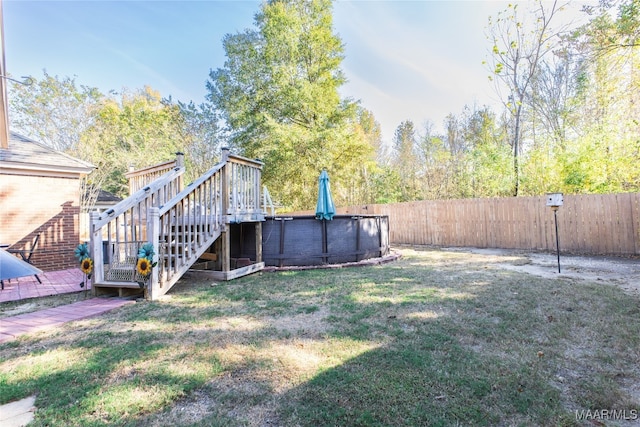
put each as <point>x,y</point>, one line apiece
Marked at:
<point>45,206</point>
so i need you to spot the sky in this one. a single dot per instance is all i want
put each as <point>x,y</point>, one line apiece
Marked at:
<point>404,60</point>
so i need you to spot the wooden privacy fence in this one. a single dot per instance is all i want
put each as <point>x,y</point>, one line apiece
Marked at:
<point>606,224</point>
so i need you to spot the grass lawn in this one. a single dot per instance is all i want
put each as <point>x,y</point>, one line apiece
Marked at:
<point>437,338</point>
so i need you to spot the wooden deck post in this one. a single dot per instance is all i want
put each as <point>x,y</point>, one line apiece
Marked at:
<point>258,242</point>
<point>96,250</point>
<point>153,237</point>
<point>225,239</point>
<point>179,160</point>
<point>225,249</point>
<point>179,164</point>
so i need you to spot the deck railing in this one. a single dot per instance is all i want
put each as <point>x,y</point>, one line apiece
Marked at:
<point>182,227</point>
<point>127,221</point>
<point>243,181</point>
<point>142,177</point>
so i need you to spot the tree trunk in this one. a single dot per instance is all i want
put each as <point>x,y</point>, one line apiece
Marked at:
<point>516,150</point>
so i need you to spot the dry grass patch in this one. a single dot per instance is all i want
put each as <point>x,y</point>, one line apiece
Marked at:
<point>437,338</point>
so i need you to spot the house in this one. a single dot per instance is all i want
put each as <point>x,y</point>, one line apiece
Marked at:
<point>40,201</point>
<point>105,200</point>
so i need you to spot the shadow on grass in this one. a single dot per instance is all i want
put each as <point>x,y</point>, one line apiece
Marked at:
<point>417,342</point>
<point>445,361</point>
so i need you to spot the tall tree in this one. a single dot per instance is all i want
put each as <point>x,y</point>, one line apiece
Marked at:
<point>553,101</point>
<point>363,185</point>
<point>278,93</point>
<point>53,110</point>
<point>138,130</point>
<point>518,47</point>
<point>606,156</point>
<point>203,135</point>
<point>406,160</point>
<point>488,152</point>
<point>372,131</point>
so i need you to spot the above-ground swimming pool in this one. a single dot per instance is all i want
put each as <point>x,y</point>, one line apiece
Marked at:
<point>304,240</point>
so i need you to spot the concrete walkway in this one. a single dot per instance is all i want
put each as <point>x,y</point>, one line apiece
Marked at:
<point>18,413</point>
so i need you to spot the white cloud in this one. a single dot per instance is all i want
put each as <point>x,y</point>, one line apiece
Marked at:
<point>413,60</point>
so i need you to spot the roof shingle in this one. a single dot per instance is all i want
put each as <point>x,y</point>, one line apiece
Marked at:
<point>27,152</point>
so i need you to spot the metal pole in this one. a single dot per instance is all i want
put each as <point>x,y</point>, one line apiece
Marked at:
<point>555,216</point>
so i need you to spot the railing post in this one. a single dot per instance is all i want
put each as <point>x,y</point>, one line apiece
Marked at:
<point>133,182</point>
<point>224,237</point>
<point>179,159</point>
<point>264,200</point>
<point>256,190</point>
<point>95,236</point>
<point>179,164</point>
<point>153,237</point>
<point>225,177</point>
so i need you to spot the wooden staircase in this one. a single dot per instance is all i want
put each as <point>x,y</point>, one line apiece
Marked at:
<point>184,225</point>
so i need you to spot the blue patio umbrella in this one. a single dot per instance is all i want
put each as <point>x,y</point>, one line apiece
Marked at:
<point>325,209</point>
<point>12,267</point>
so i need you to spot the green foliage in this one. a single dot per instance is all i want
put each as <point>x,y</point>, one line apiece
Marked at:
<point>360,179</point>
<point>387,186</point>
<point>53,110</point>
<point>434,338</point>
<point>569,123</point>
<point>605,154</point>
<point>139,130</point>
<point>519,48</point>
<point>492,172</point>
<point>405,161</point>
<point>278,93</point>
<point>473,159</point>
<point>203,137</point>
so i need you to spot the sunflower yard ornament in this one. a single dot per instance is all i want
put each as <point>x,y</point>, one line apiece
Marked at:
<point>82,252</point>
<point>145,262</point>
<point>144,267</point>
<point>86,264</point>
<point>146,251</point>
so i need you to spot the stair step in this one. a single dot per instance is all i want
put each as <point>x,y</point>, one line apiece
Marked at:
<point>120,289</point>
<point>105,284</point>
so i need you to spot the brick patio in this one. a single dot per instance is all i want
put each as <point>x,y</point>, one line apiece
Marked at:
<point>14,326</point>
<point>53,283</point>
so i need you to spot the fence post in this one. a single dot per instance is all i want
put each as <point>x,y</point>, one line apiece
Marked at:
<point>153,237</point>
<point>96,249</point>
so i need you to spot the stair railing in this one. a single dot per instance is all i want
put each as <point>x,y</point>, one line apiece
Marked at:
<point>268,207</point>
<point>181,223</point>
<point>188,224</point>
<point>126,222</point>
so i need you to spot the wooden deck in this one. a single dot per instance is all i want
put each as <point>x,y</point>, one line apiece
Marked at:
<point>185,224</point>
